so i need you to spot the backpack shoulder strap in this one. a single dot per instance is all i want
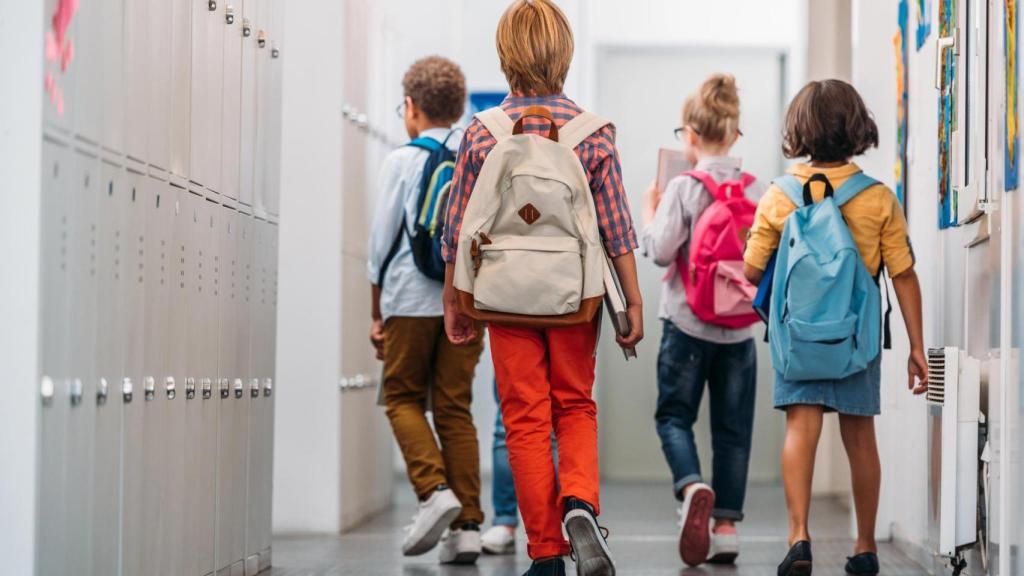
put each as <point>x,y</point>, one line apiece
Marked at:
<point>575,131</point>
<point>497,122</point>
<point>792,188</point>
<point>425,143</point>
<point>706,180</point>
<point>854,185</point>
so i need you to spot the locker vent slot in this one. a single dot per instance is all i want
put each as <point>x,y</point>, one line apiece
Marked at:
<point>937,376</point>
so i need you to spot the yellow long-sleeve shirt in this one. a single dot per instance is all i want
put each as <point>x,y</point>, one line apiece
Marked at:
<point>874,216</point>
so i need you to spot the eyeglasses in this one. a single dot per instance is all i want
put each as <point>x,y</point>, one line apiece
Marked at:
<point>678,132</point>
<point>400,110</point>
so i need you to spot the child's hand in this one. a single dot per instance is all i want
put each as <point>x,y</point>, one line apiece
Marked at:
<point>652,197</point>
<point>917,367</point>
<point>377,337</point>
<point>460,328</point>
<point>635,313</point>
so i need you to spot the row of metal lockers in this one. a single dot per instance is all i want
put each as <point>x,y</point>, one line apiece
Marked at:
<point>159,289</point>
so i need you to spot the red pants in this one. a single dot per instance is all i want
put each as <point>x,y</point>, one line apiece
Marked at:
<point>545,378</point>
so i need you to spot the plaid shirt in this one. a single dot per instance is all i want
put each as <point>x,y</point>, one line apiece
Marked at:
<point>597,153</point>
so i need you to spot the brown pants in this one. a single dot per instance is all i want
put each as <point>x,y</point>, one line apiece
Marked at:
<point>419,358</point>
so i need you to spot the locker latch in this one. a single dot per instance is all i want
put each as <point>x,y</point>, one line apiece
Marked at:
<point>171,387</point>
<point>190,388</point>
<point>149,388</point>
<point>225,387</point>
<point>239,388</point>
<point>46,390</point>
<point>246,27</point>
<point>261,38</point>
<point>75,391</point>
<point>207,388</point>
<point>254,388</point>
<point>101,392</point>
<point>229,14</point>
<point>268,387</point>
<point>126,389</point>
<point>274,52</point>
<point>211,5</point>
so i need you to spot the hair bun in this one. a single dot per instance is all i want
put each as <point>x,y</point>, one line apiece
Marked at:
<point>719,95</point>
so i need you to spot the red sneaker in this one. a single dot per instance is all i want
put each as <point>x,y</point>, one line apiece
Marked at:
<point>694,519</point>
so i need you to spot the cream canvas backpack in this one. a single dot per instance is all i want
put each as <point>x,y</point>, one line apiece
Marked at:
<point>529,251</point>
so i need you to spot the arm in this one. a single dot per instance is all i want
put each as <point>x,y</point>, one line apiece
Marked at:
<point>625,269</point>
<point>908,292</point>
<point>460,328</point>
<point>377,325</point>
<point>387,220</point>
<point>669,227</point>
<point>763,238</point>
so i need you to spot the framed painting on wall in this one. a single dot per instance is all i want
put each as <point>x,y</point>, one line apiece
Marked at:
<point>948,200</point>
<point>1011,36</point>
<point>902,46</point>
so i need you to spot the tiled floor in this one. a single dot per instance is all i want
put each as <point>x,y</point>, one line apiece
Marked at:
<point>641,518</point>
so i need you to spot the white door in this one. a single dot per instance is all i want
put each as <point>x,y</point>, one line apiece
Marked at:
<point>642,91</point>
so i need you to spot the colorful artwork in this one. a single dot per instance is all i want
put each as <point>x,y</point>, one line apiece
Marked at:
<point>59,51</point>
<point>1011,174</point>
<point>924,21</point>
<point>902,47</point>
<point>947,116</point>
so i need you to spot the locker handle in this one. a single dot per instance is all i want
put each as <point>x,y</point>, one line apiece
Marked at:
<point>261,38</point>
<point>246,27</point>
<point>225,387</point>
<point>268,387</point>
<point>229,14</point>
<point>190,388</point>
<point>101,392</point>
<point>207,388</point>
<point>75,391</point>
<point>274,52</point>
<point>239,388</point>
<point>171,387</point>
<point>211,5</point>
<point>46,390</point>
<point>254,388</point>
<point>941,45</point>
<point>127,390</point>
<point>149,388</point>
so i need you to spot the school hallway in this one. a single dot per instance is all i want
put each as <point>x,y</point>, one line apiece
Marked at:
<point>200,201</point>
<point>643,539</point>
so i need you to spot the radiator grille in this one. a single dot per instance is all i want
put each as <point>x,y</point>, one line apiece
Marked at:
<point>937,376</point>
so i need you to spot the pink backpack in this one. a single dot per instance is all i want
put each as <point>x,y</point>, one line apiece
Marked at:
<point>716,289</point>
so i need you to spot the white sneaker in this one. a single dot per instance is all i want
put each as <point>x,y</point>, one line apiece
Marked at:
<point>460,547</point>
<point>694,528</point>
<point>724,548</point>
<point>430,521</point>
<point>499,540</point>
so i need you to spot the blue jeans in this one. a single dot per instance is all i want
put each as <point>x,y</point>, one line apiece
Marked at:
<point>685,363</point>
<point>503,492</point>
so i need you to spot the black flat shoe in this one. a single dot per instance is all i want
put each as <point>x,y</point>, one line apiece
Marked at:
<point>863,564</point>
<point>798,560</point>
<point>552,567</point>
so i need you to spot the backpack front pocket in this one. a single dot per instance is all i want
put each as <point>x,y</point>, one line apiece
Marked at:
<point>534,276</point>
<point>820,350</point>
<point>734,295</point>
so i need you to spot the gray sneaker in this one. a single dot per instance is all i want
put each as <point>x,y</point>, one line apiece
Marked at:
<point>589,547</point>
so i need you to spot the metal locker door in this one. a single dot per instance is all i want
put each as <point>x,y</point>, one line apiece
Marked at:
<point>112,76</point>
<point>181,86</point>
<point>198,107</point>
<point>271,351</point>
<point>136,382</point>
<point>231,101</point>
<point>273,160</point>
<point>229,408</point>
<point>240,337</point>
<point>60,69</point>
<point>53,416</point>
<point>137,78</point>
<point>198,387</point>
<point>83,239</point>
<point>159,27</point>
<point>109,353</point>
<point>209,426</point>
<point>247,106</point>
<point>88,47</point>
<point>262,58</point>
<point>215,93</point>
<point>246,244</point>
<point>158,508</point>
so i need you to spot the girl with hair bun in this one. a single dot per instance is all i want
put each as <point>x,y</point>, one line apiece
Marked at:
<point>697,351</point>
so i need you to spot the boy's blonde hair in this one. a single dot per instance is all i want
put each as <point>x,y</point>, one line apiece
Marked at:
<point>535,46</point>
<point>713,111</point>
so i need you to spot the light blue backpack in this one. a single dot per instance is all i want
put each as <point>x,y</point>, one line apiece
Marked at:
<point>825,305</point>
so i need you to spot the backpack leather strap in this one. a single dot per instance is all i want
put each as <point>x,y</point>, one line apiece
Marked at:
<point>536,112</point>
<point>575,131</point>
<point>497,122</point>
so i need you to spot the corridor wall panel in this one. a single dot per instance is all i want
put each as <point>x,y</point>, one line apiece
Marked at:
<point>158,289</point>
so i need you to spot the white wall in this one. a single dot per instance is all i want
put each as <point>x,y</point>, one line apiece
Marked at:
<point>306,442</point>
<point>21,40</point>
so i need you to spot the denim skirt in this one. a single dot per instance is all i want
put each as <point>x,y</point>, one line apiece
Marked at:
<point>857,395</point>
